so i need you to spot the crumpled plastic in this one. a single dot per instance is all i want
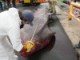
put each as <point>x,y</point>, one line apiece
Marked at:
<point>42,35</point>
<point>40,20</point>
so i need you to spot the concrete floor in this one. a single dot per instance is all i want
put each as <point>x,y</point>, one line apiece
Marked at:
<point>62,49</point>
<point>71,27</point>
<point>59,49</point>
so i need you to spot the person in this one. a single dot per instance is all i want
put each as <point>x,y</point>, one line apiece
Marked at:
<point>14,3</point>
<point>1,5</point>
<point>52,4</point>
<point>4,4</point>
<point>9,3</point>
<point>31,1</point>
<point>10,22</point>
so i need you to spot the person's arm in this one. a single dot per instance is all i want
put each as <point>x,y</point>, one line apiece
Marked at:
<point>14,35</point>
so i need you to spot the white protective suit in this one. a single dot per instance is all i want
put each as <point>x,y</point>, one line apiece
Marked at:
<point>9,34</point>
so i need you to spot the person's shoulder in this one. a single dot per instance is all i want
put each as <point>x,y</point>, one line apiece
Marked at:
<point>3,13</point>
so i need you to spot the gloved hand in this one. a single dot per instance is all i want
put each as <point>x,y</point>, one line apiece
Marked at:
<point>29,45</point>
<point>23,52</point>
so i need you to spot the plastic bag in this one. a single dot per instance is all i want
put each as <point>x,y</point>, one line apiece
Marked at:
<point>39,35</point>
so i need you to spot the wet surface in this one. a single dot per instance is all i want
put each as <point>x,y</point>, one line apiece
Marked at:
<point>59,49</point>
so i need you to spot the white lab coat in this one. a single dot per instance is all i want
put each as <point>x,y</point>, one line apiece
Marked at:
<point>9,34</point>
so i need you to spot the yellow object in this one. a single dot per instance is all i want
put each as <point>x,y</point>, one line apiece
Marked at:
<point>75,4</point>
<point>70,12</point>
<point>26,1</point>
<point>70,15</point>
<point>29,45</point>
<point>37,1</point>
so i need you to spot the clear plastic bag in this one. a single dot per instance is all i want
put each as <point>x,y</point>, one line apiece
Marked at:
<point>39,33</point>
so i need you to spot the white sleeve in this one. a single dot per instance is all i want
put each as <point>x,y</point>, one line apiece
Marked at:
<point>14,35</point>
